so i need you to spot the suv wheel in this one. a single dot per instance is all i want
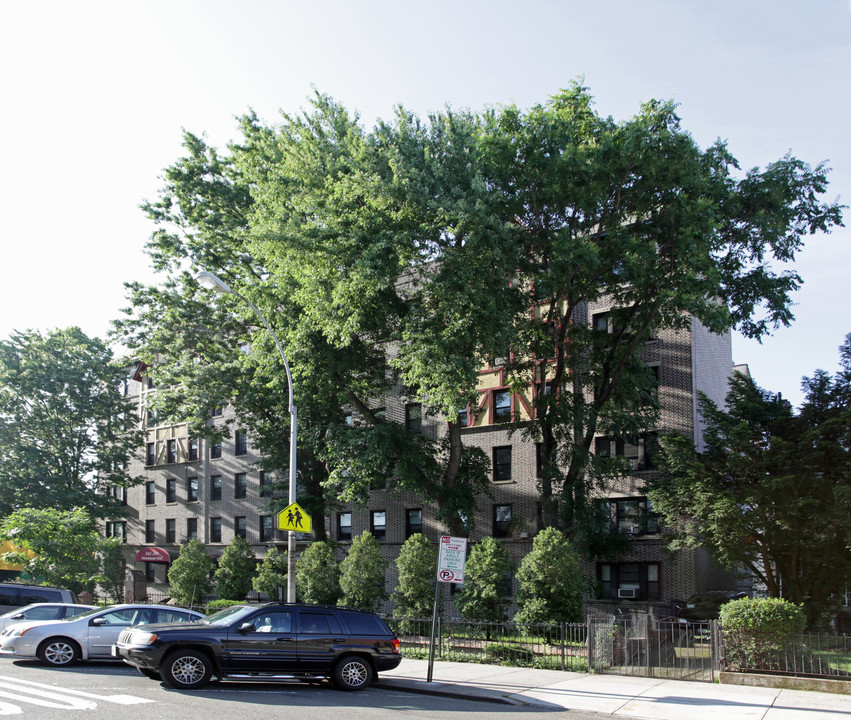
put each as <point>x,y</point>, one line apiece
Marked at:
<point>58,652</point>
<point>186,670</point>
<point>352,673</point>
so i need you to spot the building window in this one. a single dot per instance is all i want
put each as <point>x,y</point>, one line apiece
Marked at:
<point>216,450</point>
<point>344,526</point>
<point>215,529</point>
<point>171,451</point>
<point>636,450</point>
<point>378,524</point>
<point>240,526</point>
<point>264,489</point>
<point>215,487</point>
<point>413,522</point>
<point>502,463</point>
<point>192,528</point>
<point>267,528</point>
<point>634,516</point>
<point>193,449</point>
<point>463,417</point>
<point>240,486</point>
<point>171,490</point>
<point>506,584</point>
<point>150,572</point>
<point>150,493</point>
<point>119,494</point>
<point>501,406</point>
<point>191,489</point>
<point>117,529</point>
<point>151,454</point>
<point>240,442</point>
<point>629,581</point>
<point>216,412</point>
<point>501,521</point>
<point>150,531</point>
<point>414,418</point>
<point>170,531</point>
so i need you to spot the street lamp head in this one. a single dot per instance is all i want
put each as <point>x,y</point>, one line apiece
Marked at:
<point>212,282</point>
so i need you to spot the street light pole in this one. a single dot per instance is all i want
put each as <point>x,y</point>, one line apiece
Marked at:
<point>213,282</point>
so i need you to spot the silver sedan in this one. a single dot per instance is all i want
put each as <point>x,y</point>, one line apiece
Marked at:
<point>85,637</point>
<point>42,611</point>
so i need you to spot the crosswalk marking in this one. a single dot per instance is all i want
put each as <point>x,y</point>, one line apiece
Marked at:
<point>52,696</point>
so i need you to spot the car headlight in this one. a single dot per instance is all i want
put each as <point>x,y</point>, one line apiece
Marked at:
<point>141,638</point>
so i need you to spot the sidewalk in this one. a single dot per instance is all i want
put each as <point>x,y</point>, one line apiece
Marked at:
<point>616,695</point>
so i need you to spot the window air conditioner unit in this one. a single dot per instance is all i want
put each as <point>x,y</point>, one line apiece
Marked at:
<point>628,593</point>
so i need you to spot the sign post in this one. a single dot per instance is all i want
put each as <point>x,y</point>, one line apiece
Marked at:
<point>450,569</point>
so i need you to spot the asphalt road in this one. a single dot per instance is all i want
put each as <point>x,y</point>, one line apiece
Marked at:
<point>112,691</point>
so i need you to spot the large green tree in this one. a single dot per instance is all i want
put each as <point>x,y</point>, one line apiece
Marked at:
<point>483,596</point>
<point>635,217</point>
<point>318,575</point>
<point>66,429</point>
<point>770,492</point>
<point>362,574</point>
<point>416,569</point>
<point>447,242</point>
<point>63,545</point>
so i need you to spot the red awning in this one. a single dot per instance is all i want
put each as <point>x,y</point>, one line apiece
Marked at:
<point>154,555</point>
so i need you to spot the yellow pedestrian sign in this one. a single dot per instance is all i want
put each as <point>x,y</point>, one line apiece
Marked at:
<point>293,517</point>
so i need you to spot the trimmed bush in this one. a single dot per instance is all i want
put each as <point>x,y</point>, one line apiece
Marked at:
<point>756,631</point>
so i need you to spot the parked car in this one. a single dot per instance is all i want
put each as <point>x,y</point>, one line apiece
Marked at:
<point>705,606</point>
<point>266,641</point>
<point>88,636</point>
<point>16,595</point>
<point>42,611</point>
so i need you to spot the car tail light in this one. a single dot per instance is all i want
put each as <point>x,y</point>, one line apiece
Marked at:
<point>394,643</point>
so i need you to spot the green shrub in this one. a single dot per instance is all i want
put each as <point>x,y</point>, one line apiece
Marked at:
<point>757,629</point>
<point>216,605</point>
<point>317,575</point>
<point>509,654</point>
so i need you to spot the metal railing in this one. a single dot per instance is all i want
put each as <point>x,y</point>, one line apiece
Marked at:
<point>807,655</point>
<point>558,646</point>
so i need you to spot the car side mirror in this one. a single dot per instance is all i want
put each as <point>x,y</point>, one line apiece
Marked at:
<point>246,628</point>
<point>99,621</point>
<point>18,616</point>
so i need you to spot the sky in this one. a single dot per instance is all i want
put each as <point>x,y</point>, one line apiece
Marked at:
<point>95,97</point>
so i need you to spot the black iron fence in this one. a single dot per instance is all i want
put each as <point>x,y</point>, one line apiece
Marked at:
<point>806,655</point>
<point>559,647</point>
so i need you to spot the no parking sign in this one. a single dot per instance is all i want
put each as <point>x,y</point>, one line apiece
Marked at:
<point>450,563</point>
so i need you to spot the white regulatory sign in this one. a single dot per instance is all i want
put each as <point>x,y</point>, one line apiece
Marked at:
<point>450,563</point>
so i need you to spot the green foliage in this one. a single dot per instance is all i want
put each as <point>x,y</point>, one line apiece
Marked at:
<point>551,581</point>
<point>113,568</point>
<point>236,570</point>
<point>435,237</point>
<point>190,574</point>
<point>771,490</point>
<point>221,604</point>
<point>318,575</point>
<point>362,574</point>
<point>416,572</point>
<point>271,577</point>
<point>66,431</point>
<point>757,629</point>
<point>481,597</point>
<point>65,544</point>
<point>509,654</point>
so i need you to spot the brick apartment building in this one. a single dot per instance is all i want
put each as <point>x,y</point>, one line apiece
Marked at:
<point>195,490</point>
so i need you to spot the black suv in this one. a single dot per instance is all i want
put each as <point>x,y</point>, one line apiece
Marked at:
<point>706,605</point>
<point>257,642</point>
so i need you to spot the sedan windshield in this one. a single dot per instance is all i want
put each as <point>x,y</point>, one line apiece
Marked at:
<point>229,615</point>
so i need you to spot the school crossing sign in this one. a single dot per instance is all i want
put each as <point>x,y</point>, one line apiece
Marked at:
<point>453,556</point>
<point>293,517</point>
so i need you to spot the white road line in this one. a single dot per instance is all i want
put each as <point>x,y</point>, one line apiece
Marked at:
<point>7,709</point>
<point>25,688</point>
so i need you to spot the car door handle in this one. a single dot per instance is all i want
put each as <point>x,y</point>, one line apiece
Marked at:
<point>339,639</point>
<point>284,639</point>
